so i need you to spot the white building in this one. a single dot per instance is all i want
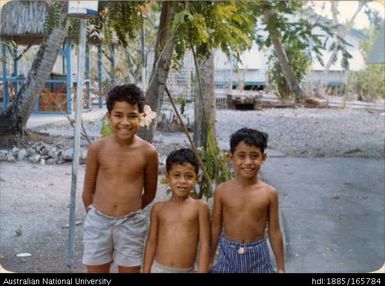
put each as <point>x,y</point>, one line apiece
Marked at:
<point>253,69</point>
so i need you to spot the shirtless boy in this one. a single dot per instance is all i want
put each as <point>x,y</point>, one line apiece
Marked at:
<point>179,224</point>
<point>120,180</point>
<point>244,207</point>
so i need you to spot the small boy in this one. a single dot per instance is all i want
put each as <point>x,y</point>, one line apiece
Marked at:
<point>245,206</point>
<point>179,224</point>
<point>120,180</point>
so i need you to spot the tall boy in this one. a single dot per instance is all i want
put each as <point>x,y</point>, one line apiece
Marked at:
<point>245,207</point>
<point>179,224</point>
<point>120,180</point>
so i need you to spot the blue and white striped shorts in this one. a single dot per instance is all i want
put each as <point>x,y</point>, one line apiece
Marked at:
<point>253,258</point>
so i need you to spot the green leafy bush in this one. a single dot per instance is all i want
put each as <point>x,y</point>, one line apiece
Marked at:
<point>298,61</point>
<point>106,129</point>
<point>369,83</point>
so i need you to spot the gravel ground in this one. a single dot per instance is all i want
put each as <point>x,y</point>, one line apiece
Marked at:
<point>311,132</point>
<point>299,132</point>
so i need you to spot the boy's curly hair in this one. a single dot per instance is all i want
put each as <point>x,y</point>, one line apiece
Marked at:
<point>129,93</point>
<point>182,156</point>
<point>251,137</point>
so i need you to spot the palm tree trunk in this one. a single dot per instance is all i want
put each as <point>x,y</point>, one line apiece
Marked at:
<point>282,57</point>
<point>162,62</point>
<point>13,120</point>
<point>205,105</point>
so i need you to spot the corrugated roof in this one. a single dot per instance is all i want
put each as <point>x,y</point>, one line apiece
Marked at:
<point>358,34</point>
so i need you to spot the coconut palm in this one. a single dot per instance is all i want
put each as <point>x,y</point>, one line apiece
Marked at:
<point>13,120</point>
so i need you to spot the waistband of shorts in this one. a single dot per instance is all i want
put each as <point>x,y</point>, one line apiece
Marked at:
<point>173,269</point>
<point>131,214</point>
<point>243,244</point>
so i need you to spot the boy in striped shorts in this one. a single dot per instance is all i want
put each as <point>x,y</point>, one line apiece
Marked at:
<point>243,208</point>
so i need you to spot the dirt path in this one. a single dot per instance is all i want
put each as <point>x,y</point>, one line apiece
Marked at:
<point>34,217</point>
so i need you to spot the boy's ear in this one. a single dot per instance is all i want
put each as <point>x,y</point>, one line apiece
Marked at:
<point>264,156</point>
<point>197,179</point>
<point>229,156</point>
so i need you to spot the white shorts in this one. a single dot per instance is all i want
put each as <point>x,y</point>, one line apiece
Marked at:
<point>118,239</point>
<point>159,268</point>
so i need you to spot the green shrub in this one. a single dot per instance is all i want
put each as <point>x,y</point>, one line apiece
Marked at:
<point>369,83</point>
<point>298,61</point>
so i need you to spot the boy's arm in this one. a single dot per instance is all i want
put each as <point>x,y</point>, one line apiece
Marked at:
<point>216,227</point>
<point>152,238</point>
<point>204,238</point>
<point>275,235</point>
<point>90,176</point>
<point>150,178</point>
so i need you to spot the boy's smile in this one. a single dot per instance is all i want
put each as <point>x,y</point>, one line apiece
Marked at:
<point>247,160</point>
<point>125,119</point>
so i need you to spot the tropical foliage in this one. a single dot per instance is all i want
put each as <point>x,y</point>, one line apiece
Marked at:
<point>225,25</point>
<point>369,83</point>
<point>203,27</point>
<point>292,24</point>
<point>55,12</point>
<point>215,163</point>
<point>298,61</point>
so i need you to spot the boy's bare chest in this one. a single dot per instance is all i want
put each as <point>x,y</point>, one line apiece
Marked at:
<point>129,163</point>
<point>178,217</point>
<point>246,202</point>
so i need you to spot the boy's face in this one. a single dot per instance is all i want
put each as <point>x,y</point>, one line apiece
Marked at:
<point>125,119</point>
<point>247,160</point>
<point>181,179</point>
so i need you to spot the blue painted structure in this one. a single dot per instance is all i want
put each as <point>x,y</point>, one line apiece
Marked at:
<point>7,82</point>
<point>16,81</point>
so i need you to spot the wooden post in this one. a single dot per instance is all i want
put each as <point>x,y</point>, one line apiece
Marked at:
<point>5,80</point>
<point>15,70</point>
<point>83,10</point>
<point>143,57</point>
<point>112,60</point>
<point>76,154</point>
<point>87,76</point>
<point>100,76</point>
<point>68,66</point>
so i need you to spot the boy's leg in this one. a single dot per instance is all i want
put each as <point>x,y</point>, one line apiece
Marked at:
<point>103,268</point>
<point>125,269</point>
<point>129,238</point>
<point>98,243</point>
